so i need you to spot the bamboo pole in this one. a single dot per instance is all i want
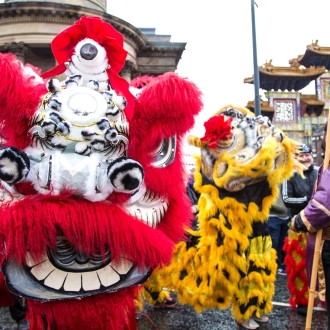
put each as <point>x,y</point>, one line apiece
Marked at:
<point>317,249</point>
<point>317,253</point>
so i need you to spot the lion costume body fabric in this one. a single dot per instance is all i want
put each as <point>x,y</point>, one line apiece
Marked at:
<point>228,260</point>
<point>92,180</point>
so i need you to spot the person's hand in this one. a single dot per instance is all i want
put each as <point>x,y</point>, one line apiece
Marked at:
<point>292,223</point>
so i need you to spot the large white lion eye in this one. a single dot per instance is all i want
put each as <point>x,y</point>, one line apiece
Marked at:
<point>164,154</point>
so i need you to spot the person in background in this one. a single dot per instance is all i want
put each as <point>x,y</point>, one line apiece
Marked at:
<point>193,196</point>
<point>277,225</point>
<point>316,216</point>
<point>297,191</point>
<point>296,194</point>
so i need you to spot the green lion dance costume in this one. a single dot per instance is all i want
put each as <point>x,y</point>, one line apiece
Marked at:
<point>228,259</point>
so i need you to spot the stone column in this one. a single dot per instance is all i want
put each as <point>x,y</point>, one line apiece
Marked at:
<point>127,71</point>
<point>17,48</point>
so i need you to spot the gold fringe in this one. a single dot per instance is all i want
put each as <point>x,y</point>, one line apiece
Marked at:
<point>138,301</point>
<point>163,294</point>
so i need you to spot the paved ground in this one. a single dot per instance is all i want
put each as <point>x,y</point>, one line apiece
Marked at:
<point>184,317</point>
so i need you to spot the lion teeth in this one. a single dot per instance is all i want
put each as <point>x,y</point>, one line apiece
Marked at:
<point>73,282</point>
<point>122,267</point>
<point>149,209</point>
<point>108,276</point>
<point>55,279</point>
<point>42,270</point>
<point>90,281</point>
<point>52,277</point>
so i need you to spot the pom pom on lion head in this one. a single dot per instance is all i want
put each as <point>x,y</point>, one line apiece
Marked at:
<point>93,49</point>
<point>239,149</point>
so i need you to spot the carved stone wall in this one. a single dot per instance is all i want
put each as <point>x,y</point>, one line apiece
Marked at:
<point>28,27</point>
<point>92,4</point>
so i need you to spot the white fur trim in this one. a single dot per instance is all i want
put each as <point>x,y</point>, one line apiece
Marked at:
<point>81,147</point>
<point>59,140</point>
<point>135,91</point>
<point>28,72</point>
<point>119,101</point>
<point>104,86</point>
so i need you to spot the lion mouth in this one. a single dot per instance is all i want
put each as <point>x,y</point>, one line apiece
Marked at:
<point>237,184</point>
<point>150,209</point>
<point>65,273</point>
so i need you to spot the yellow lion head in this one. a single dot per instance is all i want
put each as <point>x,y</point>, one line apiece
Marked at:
<point>240,149</point>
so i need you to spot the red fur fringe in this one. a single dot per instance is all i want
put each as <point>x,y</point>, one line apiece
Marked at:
<point>142,81</point>
<point>20,98</point>
<point>167,106</point>
<point>102,312</point>
<point>296,270</point>
<point>34,222</point>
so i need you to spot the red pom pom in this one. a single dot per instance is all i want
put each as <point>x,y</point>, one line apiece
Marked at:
<point>217,129</point>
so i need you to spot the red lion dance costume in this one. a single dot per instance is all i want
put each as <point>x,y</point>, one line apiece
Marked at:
<point>92,180</point>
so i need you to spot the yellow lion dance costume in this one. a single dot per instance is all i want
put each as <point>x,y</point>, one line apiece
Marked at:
<point>228,259</point>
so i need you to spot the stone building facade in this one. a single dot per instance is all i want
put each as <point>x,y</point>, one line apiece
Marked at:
<point>300,116</point>
<point>28,27</point>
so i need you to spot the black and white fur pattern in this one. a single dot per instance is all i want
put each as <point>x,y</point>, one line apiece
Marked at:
<point>81,115</point>
<point>14,165</point>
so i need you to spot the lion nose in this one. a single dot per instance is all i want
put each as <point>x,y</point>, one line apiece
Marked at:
<point>88,51</point>
<point>125,174</point>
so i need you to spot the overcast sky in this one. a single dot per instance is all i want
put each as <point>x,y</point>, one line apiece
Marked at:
<point>219,51</point>
<point>218,33</point>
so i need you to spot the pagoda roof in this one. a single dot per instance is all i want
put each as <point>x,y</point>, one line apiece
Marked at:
<point>311,100</point>
<point>315,55</point>
<point>264,106</point>
<point>293,77</point>
<point>311,105</point>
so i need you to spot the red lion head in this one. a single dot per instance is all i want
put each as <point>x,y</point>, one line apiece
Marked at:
<point>99,196</point>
